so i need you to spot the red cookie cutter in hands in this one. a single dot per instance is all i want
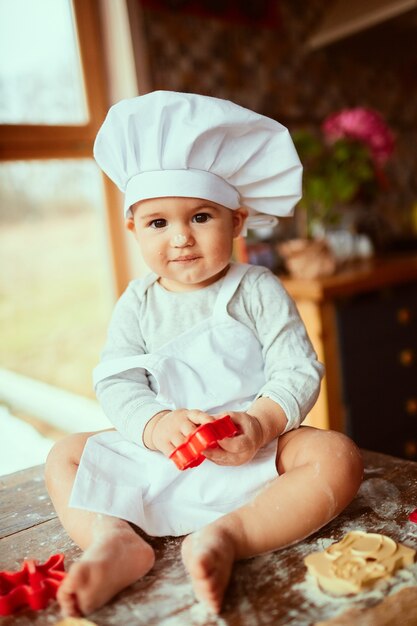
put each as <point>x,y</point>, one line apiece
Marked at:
<point>33,586</point>
<point>206,436</point>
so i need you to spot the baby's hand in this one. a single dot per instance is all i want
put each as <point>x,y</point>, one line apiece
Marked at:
<point>241,448</point>
<point>173,427</point>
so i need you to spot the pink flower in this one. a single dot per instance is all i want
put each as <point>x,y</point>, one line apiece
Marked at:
<point>364,125</point>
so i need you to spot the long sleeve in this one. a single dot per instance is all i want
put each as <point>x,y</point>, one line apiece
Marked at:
<point>293,373</point>
<point>127,398</point>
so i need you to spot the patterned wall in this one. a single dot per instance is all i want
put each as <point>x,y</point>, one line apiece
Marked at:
<point>270,71</point>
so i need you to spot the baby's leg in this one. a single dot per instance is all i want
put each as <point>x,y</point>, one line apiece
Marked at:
<point>115,556</point>
<point>319,474</point>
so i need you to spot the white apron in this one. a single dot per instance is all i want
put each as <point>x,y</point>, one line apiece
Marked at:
<point>216,366</point>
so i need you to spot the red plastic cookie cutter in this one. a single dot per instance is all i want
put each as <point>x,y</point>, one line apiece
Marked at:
<point>33,586</point>
<point>413,516</point>
<point>206,436</point>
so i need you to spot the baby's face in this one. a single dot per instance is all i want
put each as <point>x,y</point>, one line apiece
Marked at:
<point>186,241</point>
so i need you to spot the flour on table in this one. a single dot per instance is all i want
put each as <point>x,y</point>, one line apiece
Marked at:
<point>381,496</point>
<point>399,608</point>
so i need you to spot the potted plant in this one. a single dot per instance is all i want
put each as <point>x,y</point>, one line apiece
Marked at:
<point>343,164</point>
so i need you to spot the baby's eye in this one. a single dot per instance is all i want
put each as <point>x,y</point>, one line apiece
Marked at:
<point>201,218</point>
<point>158,223</point>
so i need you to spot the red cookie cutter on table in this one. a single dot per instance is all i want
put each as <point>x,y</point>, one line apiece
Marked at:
<point>206,436</point>
<point>413,516</point>
<point>33,586</point>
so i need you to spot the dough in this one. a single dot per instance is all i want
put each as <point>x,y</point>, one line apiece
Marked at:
<point>357,561</point>
<point>398,609</point>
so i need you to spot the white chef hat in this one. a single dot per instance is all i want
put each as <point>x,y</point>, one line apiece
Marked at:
<point>178,144</point>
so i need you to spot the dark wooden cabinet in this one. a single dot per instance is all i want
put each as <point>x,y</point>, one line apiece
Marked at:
<point>378,352</point>
<point>363,324</point>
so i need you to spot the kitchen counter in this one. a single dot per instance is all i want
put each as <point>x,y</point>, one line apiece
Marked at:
<point>269,590</point>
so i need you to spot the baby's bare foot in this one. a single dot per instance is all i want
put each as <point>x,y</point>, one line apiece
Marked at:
<point>116,559</point>
<point>208,556</point>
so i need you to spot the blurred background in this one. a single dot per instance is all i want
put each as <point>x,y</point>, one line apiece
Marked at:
<point>64,255</point>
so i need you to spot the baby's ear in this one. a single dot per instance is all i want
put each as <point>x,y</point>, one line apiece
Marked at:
<point>130,223</point>
<point>239,217</point>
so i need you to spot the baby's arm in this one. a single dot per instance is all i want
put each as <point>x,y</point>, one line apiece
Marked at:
<point>292,373</point>
<point>127,398</point>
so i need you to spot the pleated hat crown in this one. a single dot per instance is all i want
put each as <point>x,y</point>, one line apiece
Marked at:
<point>187,145</point>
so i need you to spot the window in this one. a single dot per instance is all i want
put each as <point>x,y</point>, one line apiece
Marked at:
<point>54,283</point>
<point>56,273</point>
<point>41,76</point>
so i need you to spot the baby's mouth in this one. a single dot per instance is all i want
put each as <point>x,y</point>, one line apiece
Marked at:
<point>186,259</point>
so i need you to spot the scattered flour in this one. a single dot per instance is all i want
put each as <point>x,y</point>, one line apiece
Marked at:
<point>382,496</point>
<point>374,470</point>
<point>329,606</point>
<point>316,605</point>
<point>199,616</point>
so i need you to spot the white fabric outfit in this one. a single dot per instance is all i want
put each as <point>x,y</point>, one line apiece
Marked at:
<point>217,365</point>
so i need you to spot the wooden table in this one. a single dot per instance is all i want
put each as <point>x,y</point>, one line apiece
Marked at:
<point>272,589</point>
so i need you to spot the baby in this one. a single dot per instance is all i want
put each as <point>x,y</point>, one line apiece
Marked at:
<point>198,338</point>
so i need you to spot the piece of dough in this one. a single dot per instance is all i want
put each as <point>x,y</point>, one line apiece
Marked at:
<point>400,609</point>
<point>357,561</point>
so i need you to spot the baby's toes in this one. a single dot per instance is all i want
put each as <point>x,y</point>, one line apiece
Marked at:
<point>68,593</point>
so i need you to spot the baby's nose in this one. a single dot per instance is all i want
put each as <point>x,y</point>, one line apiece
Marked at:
<point>179,240</point>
